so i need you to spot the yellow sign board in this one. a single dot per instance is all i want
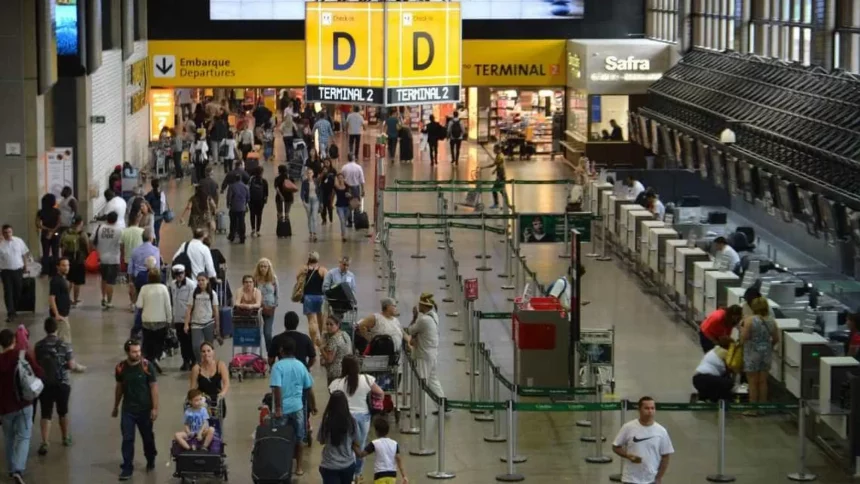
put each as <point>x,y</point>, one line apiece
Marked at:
<point>344,52</point>
<point>423,52</point>
<point>514,63</point>
<point>162,110</point>
<point>226,63</point>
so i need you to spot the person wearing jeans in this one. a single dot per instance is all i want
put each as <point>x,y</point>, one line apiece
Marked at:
<point>13,265</point>
<point>267,282</point>
<point>238,198</point>
<point>354,127</point>
<point>311,197</point>
<point>202,316</point>
<point>16,416</point>
<point>137,390</point>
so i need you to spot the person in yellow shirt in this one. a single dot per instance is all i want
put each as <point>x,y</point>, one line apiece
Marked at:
<point>498,166</point>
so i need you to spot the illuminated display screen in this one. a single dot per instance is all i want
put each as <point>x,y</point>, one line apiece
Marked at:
<point>67,27</point>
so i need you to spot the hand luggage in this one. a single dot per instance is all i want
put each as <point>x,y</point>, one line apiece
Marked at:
<point>272,456</point>
<point>365,151</point>
<point>360,220</point>
<point>221,221</point>
<point>27,302</point>
<point>225,311</point>
<point>285,228</point>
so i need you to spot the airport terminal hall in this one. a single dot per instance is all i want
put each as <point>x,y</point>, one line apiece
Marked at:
<point>402,242</point>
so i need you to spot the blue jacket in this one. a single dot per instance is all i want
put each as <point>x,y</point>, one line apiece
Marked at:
<point>304,191</point>
<point>238,197</point>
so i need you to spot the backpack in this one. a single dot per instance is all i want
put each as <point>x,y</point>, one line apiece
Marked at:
<point>257,189</point>
<point>183,259</point>
<point>456,129</point>
<point>47,357</point>
<point>144,363</point>
<point>28,386</point>
<point>70,243</point>
<point>333,152</point>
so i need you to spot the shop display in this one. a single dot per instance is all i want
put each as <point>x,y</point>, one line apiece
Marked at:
<point>524,117</point>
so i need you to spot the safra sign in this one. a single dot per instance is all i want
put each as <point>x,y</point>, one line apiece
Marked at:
<point>631,63</point>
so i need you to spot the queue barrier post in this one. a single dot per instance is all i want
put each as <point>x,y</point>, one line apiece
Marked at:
<point>463,318</point>
<point>483,255</point>
<point>802,475</point>
<point>422,450</point>
<point>484,415</point>
<point>512,432</point>
<point>622,420</point>
<point>594,253</point>
<point>721,475</point>
<point>396,205</point>
<point>598,457</point>
<point>586,422</point>
<point>497,414</point>
<point>414,392</point>
<point>510,458</point>
<point>440,473</point>
<point>603,257</point>
<point>418,254</point>
<point>440,198</point>
<point>473,340</point>
<point>507,269</point>
<point>565,247</point>
<point>405,395</point>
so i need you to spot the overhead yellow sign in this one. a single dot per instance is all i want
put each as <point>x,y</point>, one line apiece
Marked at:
<point>423,51</point>
<point>502,63</point>
<point>161,111</point>
<point>344,52</point>
<point>226,63</point>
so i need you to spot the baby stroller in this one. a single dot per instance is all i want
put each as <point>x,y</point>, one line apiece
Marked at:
<point>203,464</point>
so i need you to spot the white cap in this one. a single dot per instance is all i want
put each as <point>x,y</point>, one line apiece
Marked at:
<point>178,268</point>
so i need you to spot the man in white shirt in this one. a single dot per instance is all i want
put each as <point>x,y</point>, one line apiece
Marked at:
<point>354,127</point>
<point>198,254</point>
<point>646,445</point>
<point>560,290</point>
<point>342,275</point>
<point>656,206</point>
<point>353,175</point>
<point>726,255</point>
<point>13,265</point>
<point>113,204</point>
<point>107,241</point>
<point>634,187</point>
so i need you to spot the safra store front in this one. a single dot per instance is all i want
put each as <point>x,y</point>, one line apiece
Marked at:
<point>606,80</point>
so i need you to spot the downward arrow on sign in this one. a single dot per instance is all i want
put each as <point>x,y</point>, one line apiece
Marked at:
<point>164,67</point>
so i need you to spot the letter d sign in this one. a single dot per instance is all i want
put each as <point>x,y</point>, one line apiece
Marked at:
<point>336,38</point>
<point>416,37</point>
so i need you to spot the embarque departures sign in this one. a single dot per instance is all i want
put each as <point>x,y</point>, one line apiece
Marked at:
<point>384,54</point>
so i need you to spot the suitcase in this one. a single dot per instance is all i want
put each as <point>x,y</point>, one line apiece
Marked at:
<point>361,221</point>
<point>285,228</point>
<point>365,151</point>
<point>27,302</point>
<point>294,170</point>
<point>341,298</point>
<point>272,455</point>
<point>221,221</point>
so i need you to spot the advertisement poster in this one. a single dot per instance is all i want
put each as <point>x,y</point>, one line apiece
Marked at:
<point>56,170</point>
<point>540,228</point>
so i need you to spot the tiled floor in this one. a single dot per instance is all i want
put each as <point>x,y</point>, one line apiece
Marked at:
<point>655,356</point>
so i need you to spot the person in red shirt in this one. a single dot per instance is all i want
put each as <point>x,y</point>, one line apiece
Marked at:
<point>852,320</point>
<point>15,415</point>
<point>716,329</point>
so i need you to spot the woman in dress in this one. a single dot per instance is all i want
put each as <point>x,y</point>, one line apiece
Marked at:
<point>336,345</point>
<point>339,435</point>
<point>758,335</point>
<point>312,275</point>
<point>211,377</point>
<point>357,386</point>
<point>267,284</point>
<point>202,209</point>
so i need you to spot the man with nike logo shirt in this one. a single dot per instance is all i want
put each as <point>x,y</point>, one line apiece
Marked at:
<point>646,445</point>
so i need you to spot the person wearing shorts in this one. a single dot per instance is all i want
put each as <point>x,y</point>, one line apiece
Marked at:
<point>107,242</point>
<point>313,298</point>
<point>55,357</point>
<point>290,382</point>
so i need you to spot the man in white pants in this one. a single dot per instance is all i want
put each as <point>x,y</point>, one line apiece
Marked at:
<point>646,446</point>
<point>423,337</point>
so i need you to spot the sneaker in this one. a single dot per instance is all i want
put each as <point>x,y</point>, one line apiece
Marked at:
<point>17,478</point>
<point>150,465</point>
<point>108,305</point>
<point>125,475</point>
<point>67,442</point>
<point>43,449</point>
<point>79,368</point>
<point>104,303</point>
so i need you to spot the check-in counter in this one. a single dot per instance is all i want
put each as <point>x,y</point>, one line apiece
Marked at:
<point>685,257</point>
<point>777,363</point>
<point>802,352</point>
<point>657,238</point>
<point>634,217</point>
<point>642,233</point>
<point>834,372</point>
<point>716,283</point>
<point>669,250</point>
<point>621,221</point>
<point>595,199</point>
<point>696,282</point>
<point>735,295</point>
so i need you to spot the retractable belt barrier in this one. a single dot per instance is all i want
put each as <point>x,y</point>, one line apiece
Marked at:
<point>482,182</point>
<point>487,379</point>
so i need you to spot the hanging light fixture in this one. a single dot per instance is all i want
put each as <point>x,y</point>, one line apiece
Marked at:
<point>727,136</point>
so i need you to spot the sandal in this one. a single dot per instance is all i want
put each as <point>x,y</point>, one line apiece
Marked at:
<point>300,472</point>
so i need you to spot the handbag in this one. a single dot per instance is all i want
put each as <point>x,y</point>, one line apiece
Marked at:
<point>735,358</point>
<point>299,286</point>
<point>375,404</point>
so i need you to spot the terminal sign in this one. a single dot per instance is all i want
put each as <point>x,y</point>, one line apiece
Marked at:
<point>344,52</point>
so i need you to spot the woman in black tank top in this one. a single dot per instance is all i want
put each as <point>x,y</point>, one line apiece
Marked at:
<point>211,377</point>
<point>312,277</point>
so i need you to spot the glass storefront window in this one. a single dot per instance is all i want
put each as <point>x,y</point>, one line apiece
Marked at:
<point>526,113</point>
<point>603,111</point>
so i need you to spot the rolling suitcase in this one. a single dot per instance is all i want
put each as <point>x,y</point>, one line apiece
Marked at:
<point>225,311</point>
<point>285,228</point>
<point>27,302</point>
<point>272,455</point>
<point>221,221</point>
<point>360,220</point>
<point>365,151</point>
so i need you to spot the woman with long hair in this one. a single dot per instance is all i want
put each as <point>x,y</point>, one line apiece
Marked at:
<point>311,199</point>
<point>341,203</point>
<point>758,335</point>
<point>202,209</point>
<point>312,276</point>
<point>267,283</point>
<point>327,177</point>
<point>211,376</point>
<point>156,313</point>
<point>339,436</point>
<point>48,222</point>
<point>201,319</point>
<point>356,386</point>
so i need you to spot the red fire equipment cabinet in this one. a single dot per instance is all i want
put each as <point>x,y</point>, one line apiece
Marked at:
<point>542,343</point>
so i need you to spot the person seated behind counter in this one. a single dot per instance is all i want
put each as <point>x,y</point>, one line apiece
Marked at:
<point>712,380</point>
<point>634,188</point>
<point>654,205</point>
<point>716,329</point>
<point>727,254</point>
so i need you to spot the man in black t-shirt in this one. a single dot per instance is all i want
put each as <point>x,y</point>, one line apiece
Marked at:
<point>305,350</point>
<point>60,300</point>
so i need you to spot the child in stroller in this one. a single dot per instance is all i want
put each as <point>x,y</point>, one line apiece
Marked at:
<point>197,429</point>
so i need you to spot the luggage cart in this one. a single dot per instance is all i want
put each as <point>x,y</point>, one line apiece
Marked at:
<point>386,370</point>
<point>247,336</point>
<point>192,465</point>
<point>473,198</point>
